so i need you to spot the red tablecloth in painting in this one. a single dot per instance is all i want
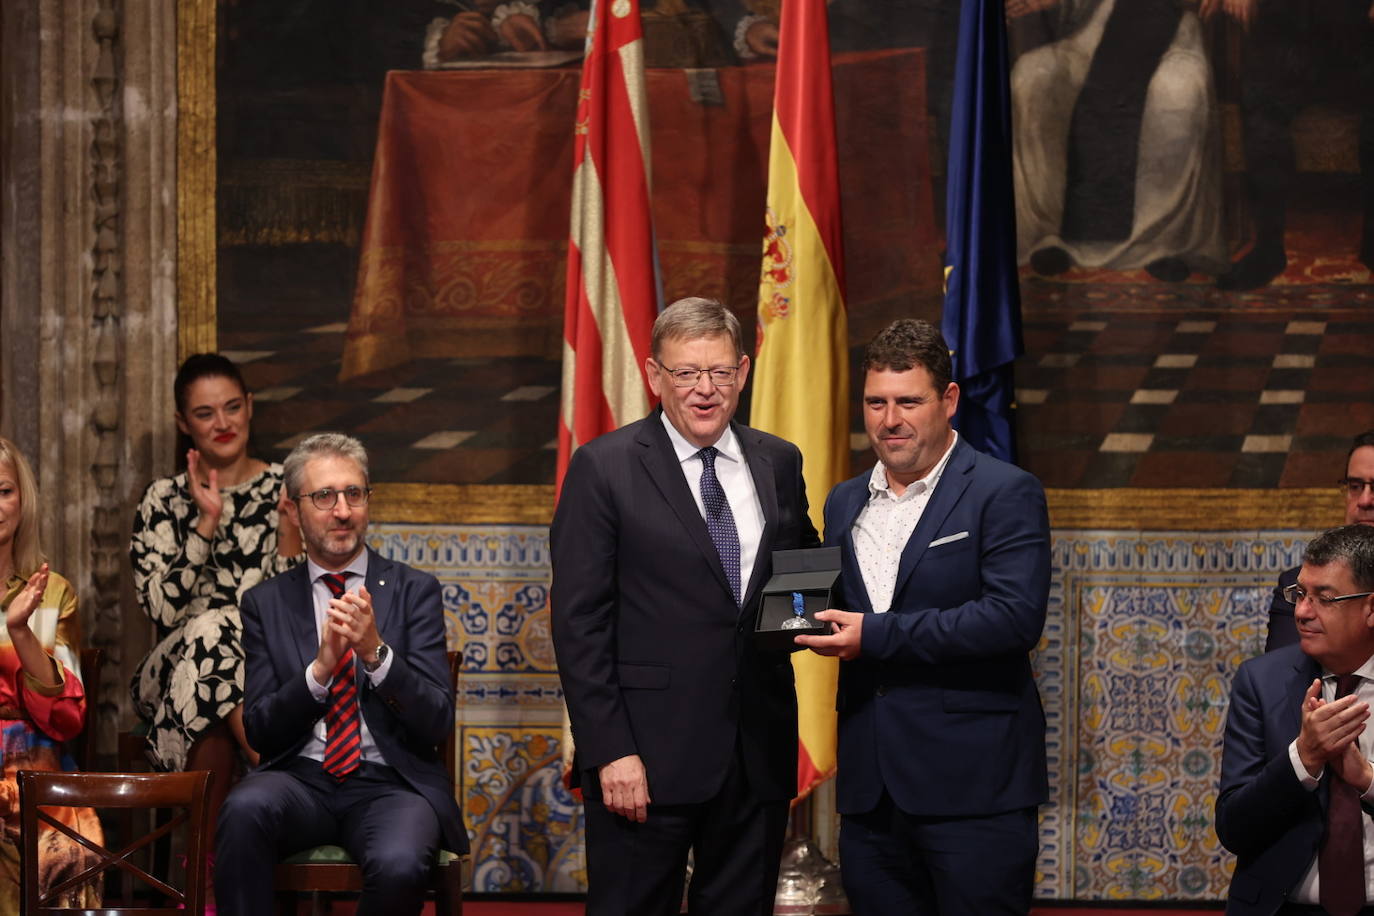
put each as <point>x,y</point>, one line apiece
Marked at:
<point>467,223</point>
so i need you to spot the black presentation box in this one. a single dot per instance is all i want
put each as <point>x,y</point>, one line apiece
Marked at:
<point>812,572</point>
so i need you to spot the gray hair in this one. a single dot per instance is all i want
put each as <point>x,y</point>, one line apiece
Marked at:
<point>318,445</point>
<point>694,318</point>
<point>1352,545</point>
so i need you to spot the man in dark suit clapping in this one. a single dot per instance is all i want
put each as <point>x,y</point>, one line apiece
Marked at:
<point>347,699</point>
<point>1295,772</point>
<point>686,732</point>
<point>1357,486</point>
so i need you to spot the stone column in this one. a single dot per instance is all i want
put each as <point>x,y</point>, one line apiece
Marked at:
<point>87,293</point>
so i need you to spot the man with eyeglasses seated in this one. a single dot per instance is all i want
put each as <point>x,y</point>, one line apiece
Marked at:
<point>347,699</point>
<point>686,732</point>
<point>1295,768</point>
<point>1357,486</point>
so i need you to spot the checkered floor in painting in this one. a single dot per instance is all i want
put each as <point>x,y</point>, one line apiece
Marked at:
<point>1194,399</point>
<point>435,420</point>
<point>1124,383</point>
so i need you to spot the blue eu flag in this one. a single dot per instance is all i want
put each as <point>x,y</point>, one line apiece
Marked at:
<point>982,315</point>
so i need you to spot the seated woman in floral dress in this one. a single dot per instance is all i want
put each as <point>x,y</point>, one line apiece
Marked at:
<point>201,539</point>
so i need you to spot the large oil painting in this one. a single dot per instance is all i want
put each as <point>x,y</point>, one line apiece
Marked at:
<point>1194,189</point>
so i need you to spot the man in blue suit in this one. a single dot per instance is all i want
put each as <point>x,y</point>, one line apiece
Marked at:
<point>1295,772</point>
<point>1358,487</point>
<point>945,576</point>
<point>347,699</point>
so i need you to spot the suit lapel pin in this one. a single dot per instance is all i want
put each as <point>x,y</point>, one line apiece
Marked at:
<point>381,582</point>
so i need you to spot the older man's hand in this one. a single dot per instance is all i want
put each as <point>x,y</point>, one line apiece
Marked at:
<point>625,788</point>
<point>1328,728</point>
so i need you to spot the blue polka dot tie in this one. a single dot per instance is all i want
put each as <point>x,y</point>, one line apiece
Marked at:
<point>719,520</point>
<point>343,730</point>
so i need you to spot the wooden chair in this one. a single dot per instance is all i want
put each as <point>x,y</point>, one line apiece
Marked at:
<point>186,792</point>
<point>82,747</point>
<point>331,869</point>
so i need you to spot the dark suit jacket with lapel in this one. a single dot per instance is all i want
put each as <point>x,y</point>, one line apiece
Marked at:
<point>409,715</point>
<point>1263,813</point>
<point>1283,628</point>
<point>655,657</point>
<point>940,708</point>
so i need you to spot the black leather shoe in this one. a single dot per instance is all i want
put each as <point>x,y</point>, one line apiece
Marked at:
<point>1256,269</point>
<point>1049,262</point>
<point>1169,270</point>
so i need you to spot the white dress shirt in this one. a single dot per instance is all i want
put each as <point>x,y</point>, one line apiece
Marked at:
<point>738,484</point>
<point>355,574</point>
<point>885,525</point>
<point>1306,891</point>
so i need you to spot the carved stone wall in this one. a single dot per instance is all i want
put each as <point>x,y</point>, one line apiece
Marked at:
<point>87,288</point>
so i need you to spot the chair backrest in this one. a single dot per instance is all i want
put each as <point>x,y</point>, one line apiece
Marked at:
<point>186,793</point>
<point>82,746</point>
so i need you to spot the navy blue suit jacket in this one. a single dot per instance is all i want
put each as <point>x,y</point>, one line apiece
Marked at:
<point>409,715</point>
<point>940,708</point>
<point>655,656</point>
<point>1283,628</point>
<point>1263,813</point>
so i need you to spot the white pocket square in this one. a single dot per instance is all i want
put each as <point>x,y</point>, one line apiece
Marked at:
<point>948,539</point>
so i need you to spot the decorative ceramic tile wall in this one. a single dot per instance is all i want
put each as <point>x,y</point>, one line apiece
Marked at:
<point>1143,635</point>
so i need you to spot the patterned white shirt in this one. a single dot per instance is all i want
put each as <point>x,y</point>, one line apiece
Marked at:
<point>885,525</point>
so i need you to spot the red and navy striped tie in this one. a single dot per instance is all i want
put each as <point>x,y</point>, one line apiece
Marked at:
<point>343,731</point>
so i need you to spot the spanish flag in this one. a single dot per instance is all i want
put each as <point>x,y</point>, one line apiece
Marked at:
<point>801,377</point>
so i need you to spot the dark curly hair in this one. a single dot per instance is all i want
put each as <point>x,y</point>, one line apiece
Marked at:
<point>906,344</point>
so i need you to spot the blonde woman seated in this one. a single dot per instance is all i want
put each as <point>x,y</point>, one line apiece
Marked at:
<point>42,703</point>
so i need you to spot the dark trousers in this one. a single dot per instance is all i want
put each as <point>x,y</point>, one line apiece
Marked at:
<point>386,826</point>
<point>637,869</point>
<point>899,864</point>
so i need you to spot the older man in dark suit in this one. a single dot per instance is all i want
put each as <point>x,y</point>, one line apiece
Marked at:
<point>347,699</point>
<point>945,576</point>
<point>1358,488</point>
<point>686,732</point>
<point>1295,772</point>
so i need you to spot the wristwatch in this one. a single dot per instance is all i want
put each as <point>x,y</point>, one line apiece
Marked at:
<point>383,650</point>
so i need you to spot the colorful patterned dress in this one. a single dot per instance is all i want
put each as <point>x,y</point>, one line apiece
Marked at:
<point>34,721</point>
<point>190,588</point>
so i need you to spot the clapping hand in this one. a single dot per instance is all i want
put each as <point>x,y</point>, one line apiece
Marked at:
<point>1329,728</point>
<point>204,489</point>
<point>26,602</point>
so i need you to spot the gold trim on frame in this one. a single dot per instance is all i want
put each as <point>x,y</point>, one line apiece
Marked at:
<point>465,504</point>
<point>196,277</point>
<point>1096,510</point>
<point>1195,510</point>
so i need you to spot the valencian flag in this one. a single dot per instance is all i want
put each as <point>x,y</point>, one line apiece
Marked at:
<point>612,287</point>
<point>801,380</point>
<point>982,316</point>
<point>612,290</point>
